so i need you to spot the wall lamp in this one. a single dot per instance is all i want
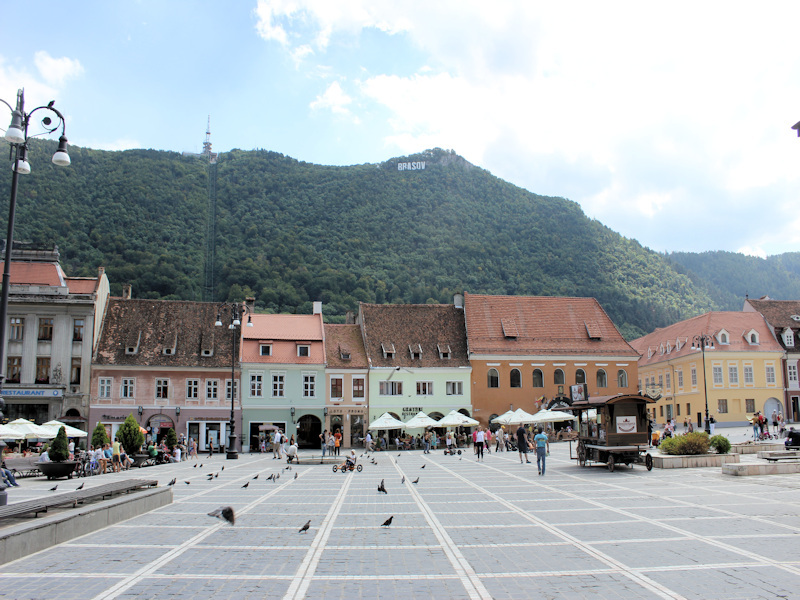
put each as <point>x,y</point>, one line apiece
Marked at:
<point>326,411</point>
<point>178,410</point>
<point>141,410</point>
<point>292,411</point>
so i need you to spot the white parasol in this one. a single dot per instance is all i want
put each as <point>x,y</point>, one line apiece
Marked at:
<point>27,430</point>
<point>456,419</point>
<point>72,432</point>
<point>504,419</point>
<point>420,421</point>
<point>552,416</point>
<point>520,417</point>
<point>386,421</point>
<point>6,433</point>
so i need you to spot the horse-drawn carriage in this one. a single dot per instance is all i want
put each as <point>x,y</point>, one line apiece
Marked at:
<point>612,430</point>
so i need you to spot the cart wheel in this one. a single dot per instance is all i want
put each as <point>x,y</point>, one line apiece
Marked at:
<point>335,468</point>
<point>611,462</point>
<point>358,468</point>
<point>648,462</point>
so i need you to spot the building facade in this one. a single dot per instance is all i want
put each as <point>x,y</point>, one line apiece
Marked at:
<point>283,376</point>
<point>346,373</point>
<point>166,363</point>
<point>53,322</point>
<point>417,356</point>
<point>738,375</point>
<point>527,352</point>
<point>783,317</point>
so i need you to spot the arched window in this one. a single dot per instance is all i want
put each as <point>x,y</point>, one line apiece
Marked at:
<point>493,378</point>
<point>558,377</point>
<point>516,378</point>
<point>580,376</point>
<point>602,379</point>
<point>538,378</point>
<point>622,378</point>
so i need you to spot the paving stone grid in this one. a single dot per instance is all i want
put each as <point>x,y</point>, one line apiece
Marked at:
<point>493,529</point>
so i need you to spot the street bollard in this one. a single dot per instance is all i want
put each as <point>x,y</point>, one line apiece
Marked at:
<point>3,496</point>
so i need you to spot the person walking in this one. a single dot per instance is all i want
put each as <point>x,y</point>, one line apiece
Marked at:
<point>337,441</point>
<point>276,445</point>
<point>499,440</point>
<point>427,443</point>
<point>542,449</point>
<point>522,444</point>
<point>323,439</point>
<point>775,422</point>
<point>480,437</point>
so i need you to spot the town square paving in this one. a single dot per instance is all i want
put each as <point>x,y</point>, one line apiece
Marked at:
<point>468,529</point>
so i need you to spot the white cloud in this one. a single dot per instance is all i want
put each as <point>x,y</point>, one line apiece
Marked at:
<point>747,250</point>
<point>334,99</point>
<point>57,71</point>
<point>118,144</point>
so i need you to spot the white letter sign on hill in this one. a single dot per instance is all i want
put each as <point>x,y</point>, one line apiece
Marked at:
<point>411,166</point>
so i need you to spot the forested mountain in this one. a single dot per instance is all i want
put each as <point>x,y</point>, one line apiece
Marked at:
<point>289,232</point>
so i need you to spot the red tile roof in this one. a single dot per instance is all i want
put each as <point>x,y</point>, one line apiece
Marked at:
<point>345,339</point>
<point>35,273</point>
<point>682,334</point>
<point>284,332</point>
<point>82,285</point>
<point>542,325</point>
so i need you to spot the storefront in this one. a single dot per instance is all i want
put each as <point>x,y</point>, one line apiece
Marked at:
<point>350,421</point>
<point>304,424</point>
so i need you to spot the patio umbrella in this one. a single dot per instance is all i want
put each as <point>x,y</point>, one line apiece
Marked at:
<point>420,421</point>
<point>520,417</point>
<point>267,427</point>
<point>30,431</point>
<point>71,431</point>
<point>6,433</point>
<point>552,416</point>
<point>386,421</point>
<point>504,419</point>
<point>456,419</point>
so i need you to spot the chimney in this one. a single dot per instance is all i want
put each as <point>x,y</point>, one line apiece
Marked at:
<point>250,303</point>
<point>100,272</point>
<point>349,317</point>
<point>126,291</point>
<point>458,301</point>
<point>317,308</point>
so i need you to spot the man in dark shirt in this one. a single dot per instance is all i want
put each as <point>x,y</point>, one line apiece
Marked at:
<point>522,444</point>
<point>792,437</point>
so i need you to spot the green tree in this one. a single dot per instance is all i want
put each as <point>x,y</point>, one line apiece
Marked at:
<point>58,449</point>
<point>99,436</point>
<point>130,435</point>
<point>172,439</point>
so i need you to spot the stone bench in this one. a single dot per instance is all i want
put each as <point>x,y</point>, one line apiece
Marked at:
<point>23,466</point>
<point>777,455</point>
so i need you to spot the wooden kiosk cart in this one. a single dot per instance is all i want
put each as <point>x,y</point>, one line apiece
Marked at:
<point>612,430</point>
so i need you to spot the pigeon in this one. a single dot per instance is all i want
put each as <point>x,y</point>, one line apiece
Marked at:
<point>289,468</point>
<point>216,475</point>
<point>80,487</point>
<point>416,481</point>
<point>224,512</point>
<point>305,527</point>
<point>201,465</point>
<point>195,466</point>
<point>403,480</point>
<point>256,477</point>
<point>209,474</point>
<point>54,488</point>
<point>246,484</point>
<point>295,475</point>
<point>171,483</point>
<point>222,469</point>
<point>422,467</point>
<point>187,482</point>
<point>278,476</point>
<point>271,477</point>
<point>388,521</point>
<point>381,488</point>
<point>398,455</point>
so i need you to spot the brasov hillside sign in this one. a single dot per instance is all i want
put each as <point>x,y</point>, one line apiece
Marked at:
<point>411,166</point>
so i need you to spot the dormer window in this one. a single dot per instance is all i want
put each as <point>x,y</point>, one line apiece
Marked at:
<point>207,352</point>
<point>795,317</point>
<point>169,351</point>
<point>669,347</point>
<point>265,350</point>
<point>661,349</point>
<point>388,350</point>
<point>788,338</point>
<point>344,353</point>
<point>132,346</point>
<point>416,351</point>
<point>649,353</point>
<point>303,350</point>
<point>722,337</point>
<point>130,350</point>
<point>444,351</point>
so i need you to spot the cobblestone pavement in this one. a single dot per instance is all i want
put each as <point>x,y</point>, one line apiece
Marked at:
<point>493,529</point>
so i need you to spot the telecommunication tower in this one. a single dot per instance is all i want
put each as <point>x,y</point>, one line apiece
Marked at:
<point>211,219</point>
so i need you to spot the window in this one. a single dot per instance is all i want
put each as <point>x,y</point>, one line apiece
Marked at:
<point>127,388</point>
<point>337,385</point>
<point>13,369</point>
<point>309,386</point>
<point>694,376</point>
<point>415,351</point>
<point>77,330</point>
<point>716,374</point>
<point>689,409</point>
<point>104,387</point>
<point>516,378</point>
<point>722,405</point>
<point>278,385</point>
<point>723,338</point>
<point>753,338</point>
<point>788,338</point>
<point>668,380</point>
<point>424,388</point>
<point>602,379</point>
<point>256,385</point>
<point>622,378</point>
<point>388,350</point>
<point>679,375</point>
<point>660,382</point>
<point>558,377</point>
<point>212,389</point>
<point>231,385</point>
<point>454,388</point>
<point>75,371</point>
<point>792,373</point>
<point>770,373</point>
<point>750,405</point>
<point>538,378</point>
<point>358,387</point>
<point>43,369</point>
<point>192,389</point>
<point>661,410</point>
<point>391,388</point>
<point>678,407</point>
<point>733,374</point>
<point>493,378</point>
<point>303,350</point>
<point>265,350</point>
<point>45,329</point>
<point>444,351</point>
<point>162,388</point>
<point>580,376</point>
<point>17,329</point>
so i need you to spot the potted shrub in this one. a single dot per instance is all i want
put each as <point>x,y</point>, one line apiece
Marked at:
<point>131,437</point>
<point>58,466</point>
<point>99,436</point>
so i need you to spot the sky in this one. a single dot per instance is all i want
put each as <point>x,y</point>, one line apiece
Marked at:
<point>670,123</point>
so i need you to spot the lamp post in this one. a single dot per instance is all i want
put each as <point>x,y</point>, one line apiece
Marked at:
<point>232,312</point>
<point>17,137</point>
<point>701,342</point>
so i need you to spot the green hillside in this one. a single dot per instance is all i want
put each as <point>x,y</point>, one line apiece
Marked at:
<point>290,232</point>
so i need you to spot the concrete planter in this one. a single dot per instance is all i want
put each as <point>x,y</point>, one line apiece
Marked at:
<point>693,461</point>
<point>56,470</point>
<point>754,448</point>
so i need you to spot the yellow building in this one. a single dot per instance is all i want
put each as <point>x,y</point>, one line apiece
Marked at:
<point>738,369</point>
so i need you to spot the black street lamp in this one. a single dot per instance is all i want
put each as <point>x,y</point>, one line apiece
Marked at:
<point>233,312</point>
<point>701,342</point>
<point>17,136</point>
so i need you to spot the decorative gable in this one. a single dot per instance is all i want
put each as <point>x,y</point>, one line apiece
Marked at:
<point>787,335</point>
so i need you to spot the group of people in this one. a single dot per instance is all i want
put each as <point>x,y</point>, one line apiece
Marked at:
<point>540,443</point>
<point>330,442</point>
<point>761,425</point>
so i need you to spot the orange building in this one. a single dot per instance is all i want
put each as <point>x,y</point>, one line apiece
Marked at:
<point>527,351</point>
